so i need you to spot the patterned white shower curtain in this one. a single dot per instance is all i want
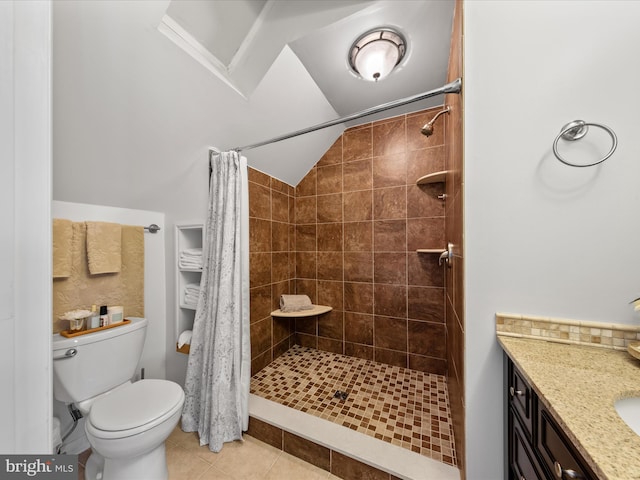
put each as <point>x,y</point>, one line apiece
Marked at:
<point>218,371</point>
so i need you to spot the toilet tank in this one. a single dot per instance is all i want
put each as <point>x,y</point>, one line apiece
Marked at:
<point>103,360</point>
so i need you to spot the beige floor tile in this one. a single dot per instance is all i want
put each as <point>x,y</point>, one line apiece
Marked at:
<point>214,474</point>
<point>179,437</point>
<point>247,460</point>
<point>288,467</point>
<point>184,464</point>
<point>193,446</point>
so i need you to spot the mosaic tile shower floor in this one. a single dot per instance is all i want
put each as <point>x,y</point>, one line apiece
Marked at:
<point>404,407</point>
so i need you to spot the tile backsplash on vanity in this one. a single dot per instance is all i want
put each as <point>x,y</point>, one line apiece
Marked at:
<point>607,335</point>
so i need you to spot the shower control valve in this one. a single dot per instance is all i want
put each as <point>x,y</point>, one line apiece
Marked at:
<point>447,256</point>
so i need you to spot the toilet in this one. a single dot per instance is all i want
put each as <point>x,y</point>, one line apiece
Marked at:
<point>126,422</point>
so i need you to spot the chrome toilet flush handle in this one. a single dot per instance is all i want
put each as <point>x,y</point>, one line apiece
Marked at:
<point>72,352</point>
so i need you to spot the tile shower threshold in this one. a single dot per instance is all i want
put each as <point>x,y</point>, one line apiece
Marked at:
<point>379,454</point>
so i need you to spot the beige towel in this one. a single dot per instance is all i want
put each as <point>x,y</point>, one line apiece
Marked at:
<point>104,247</point>
<point>62,247</point>
<point>133,270</point>
<point>295,303</point>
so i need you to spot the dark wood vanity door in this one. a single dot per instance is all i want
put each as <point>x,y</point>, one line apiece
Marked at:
<point>556,451</point>
<point>522,461</point>
<point>521,399</point>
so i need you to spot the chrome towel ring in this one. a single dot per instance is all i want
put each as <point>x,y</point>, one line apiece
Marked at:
<point>575,131</point>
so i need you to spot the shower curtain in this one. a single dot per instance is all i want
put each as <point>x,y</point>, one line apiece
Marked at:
<point>218,371</point>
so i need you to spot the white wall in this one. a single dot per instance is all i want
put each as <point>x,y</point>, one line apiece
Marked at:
<point>542,238</point>
<point>7,215</point>
<point>25,238</point>
<point>154,354</point>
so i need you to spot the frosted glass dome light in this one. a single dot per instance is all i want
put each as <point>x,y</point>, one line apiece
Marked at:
<point>376,53</point>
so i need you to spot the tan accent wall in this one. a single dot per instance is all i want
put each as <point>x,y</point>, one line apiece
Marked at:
<point>81,289</point>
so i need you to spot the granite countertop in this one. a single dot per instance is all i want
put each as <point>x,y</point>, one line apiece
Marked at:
<point>579,385</point>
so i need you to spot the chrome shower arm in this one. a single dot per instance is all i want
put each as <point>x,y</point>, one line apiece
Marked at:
<point>447,109</point>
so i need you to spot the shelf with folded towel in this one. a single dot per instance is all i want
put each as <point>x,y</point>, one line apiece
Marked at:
<point>316,310</point>
<point>435,177</point>
<point>183,349</point>
<point>182,269</point>
<point>189,242</point>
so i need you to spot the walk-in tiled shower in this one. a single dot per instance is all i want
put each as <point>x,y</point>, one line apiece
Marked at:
<point>404,407</point>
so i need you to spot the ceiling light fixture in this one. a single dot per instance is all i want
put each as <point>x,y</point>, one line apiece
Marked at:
<point>376,53</point>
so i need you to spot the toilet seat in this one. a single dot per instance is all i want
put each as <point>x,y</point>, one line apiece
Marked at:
<point>135,408</point>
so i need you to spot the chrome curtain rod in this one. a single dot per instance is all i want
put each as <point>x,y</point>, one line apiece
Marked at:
<point>453,87</point>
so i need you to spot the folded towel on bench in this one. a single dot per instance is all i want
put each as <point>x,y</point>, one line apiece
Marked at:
<point>295,303</point>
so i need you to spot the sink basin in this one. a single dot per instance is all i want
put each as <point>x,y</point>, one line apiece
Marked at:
<point>629,411</point>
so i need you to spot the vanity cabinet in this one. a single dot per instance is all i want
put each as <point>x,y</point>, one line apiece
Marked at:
<point>537,446</point>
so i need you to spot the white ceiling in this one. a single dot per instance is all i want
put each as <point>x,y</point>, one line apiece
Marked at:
<point>427,28</point>
<point>126,99</point>
<point>220,26</point>
<point>246,36</point>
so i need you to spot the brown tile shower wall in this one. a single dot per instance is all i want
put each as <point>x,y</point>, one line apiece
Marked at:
<point>359,219</point>
<point>272,265</point>
<point>455,318</point>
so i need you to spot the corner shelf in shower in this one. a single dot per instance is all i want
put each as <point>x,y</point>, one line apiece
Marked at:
<point>431,250</point>
<point>435,177</point>
<point>316,310</point>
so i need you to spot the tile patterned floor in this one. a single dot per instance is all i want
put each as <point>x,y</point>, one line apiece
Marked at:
<point>400,406</point>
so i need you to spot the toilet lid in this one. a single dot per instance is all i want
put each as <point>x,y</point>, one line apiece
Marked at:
<point>136,405</point>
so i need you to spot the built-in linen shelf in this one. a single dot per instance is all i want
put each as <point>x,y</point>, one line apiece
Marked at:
<point>434,177</point>
<point>188,307</point>
<point>316,310</point>
<point>431,250</point>
<point>183,349</point>
<point>182,269</point>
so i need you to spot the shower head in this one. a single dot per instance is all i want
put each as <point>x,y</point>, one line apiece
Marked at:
<point>427,129</point>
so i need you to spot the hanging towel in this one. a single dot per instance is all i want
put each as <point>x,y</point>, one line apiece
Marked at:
<point>295,303</point>
<point>104,247</point>
<point>62,247</point>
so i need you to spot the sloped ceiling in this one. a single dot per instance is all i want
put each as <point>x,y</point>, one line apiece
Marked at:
<point>221,27</point>
<point>131,106</point>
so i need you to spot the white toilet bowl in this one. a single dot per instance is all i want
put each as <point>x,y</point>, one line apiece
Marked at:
<point>127,430</point>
